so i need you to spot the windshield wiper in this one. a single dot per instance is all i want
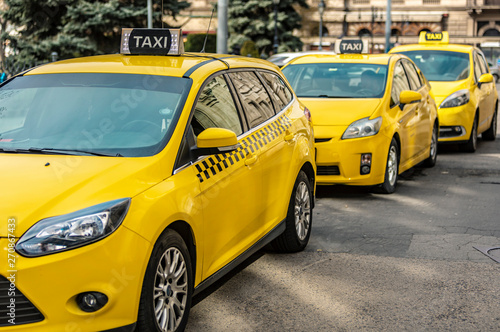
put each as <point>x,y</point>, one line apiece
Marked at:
<point>59,151</point>
<point>73,151</point>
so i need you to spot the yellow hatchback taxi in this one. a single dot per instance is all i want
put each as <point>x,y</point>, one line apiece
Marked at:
<point>131,182</point>
<point>462,87</point>
<point>373,115</point>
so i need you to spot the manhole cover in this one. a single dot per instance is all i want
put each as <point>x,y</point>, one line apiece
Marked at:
<point>490,252</point>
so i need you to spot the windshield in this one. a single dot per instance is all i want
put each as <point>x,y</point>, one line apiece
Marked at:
<point>441,65</point>
<point>111,114</point>
<point>337,80</point>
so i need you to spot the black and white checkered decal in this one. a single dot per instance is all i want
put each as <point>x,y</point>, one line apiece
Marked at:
<point>212,165</point>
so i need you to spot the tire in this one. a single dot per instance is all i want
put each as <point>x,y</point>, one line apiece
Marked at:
<point>431,160</point>
<point>471,144</point>
<point>168,293</point>
<point>491,133</point>
<point>298,219</point>
<point>391,170</point>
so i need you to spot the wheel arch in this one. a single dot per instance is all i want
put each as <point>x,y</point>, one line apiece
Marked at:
<point>308,168</point>
<point>186,232</point>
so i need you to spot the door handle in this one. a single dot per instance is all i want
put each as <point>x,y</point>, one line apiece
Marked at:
<point>251,159</point>
<point>289,136</point>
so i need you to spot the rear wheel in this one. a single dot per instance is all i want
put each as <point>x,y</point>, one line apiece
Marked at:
<point>431,160</point>
<point>298,219</point>
<point>491,133</point>
<point>471,144</point>
<point>391,170</point>
<point>167,288</point>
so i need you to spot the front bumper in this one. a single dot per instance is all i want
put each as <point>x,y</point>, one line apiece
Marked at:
<point>455,123</point>
<point>341,159</point>
<point>113,266</point>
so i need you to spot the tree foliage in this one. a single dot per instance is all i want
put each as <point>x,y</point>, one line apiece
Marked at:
<point>254,20</point>
<point>75,27</point>
<point>195,42</point>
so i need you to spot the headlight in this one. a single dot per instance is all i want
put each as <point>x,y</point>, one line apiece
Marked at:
<point>363,128</point>
<point>73,230</point>
<point>458,98</point>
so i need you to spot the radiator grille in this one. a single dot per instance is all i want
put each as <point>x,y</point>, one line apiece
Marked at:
<point>328,170</point>
<point>25,312</point>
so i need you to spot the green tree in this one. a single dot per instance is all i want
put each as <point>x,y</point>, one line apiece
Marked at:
<point>75,27</point>
<point>249,49</point>
<point>254,20</point>
<point>195,42</point>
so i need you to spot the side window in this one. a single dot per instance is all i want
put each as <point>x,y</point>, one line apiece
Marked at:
<point>477,67</point>
<point>279,91</point>
<point>254,98</point>
<point>413,77</point>
<point>215,108</point>
<point>483,64</point>
<point>399,83</point>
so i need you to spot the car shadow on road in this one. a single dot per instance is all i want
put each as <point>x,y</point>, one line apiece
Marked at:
<point>219,283</point>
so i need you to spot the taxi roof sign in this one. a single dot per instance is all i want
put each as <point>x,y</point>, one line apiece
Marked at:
<point>427,37</point>
<point>351,46</point>
<point>151,41</point>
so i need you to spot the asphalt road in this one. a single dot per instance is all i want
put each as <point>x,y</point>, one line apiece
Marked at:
<point>401,262</point>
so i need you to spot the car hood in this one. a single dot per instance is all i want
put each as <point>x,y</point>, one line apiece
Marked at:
<point>441,90</point>
<point>35,187</point>
<point>339,112</point>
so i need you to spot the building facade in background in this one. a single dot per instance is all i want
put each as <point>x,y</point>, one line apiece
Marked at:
<point>468,21</point>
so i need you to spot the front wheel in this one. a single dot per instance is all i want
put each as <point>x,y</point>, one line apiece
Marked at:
<point>299,218</point>
<point>471,144</point>
<point>168,286</point>
<point>491,133</point>
<point>391,170</point>
<point>431,160</point>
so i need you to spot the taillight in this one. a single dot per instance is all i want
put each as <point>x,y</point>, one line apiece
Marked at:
<point>307,114</point>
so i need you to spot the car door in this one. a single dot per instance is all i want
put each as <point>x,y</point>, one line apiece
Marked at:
<point>276,168</point>
<point>486,94</point>
<point>405,115</point>
<point>423,125</point>
<point>231,183</point>
<point>270,134</point>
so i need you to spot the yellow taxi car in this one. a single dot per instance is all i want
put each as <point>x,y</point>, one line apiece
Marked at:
<point>462,87</point>
<point>373,116</point>
<point>131,182</point>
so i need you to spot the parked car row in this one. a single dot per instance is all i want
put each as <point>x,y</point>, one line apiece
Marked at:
<point>376,116</point>
<point>133,181</point>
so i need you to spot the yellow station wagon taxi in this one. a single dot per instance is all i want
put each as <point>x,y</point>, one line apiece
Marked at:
<point>462,87</point>
<point>373,116</point>
<point>131,182</point>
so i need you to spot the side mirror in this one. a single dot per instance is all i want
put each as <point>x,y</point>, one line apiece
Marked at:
<point>485,78</point>
<point>216,140</point>
<point>409,97</point>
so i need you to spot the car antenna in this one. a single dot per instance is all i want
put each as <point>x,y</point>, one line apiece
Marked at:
<point>206,36</point>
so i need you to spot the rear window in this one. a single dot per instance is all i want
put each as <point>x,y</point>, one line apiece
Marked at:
<point>441,65</point>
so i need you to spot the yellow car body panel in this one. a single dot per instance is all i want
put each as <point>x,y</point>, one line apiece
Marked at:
<point>412,126</point>
<point>483,99</point>
<point>228,202</point>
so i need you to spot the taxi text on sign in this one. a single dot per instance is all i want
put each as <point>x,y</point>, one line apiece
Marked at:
<point>151,41</point>
<point>426,37</point>
<point>351,46</point>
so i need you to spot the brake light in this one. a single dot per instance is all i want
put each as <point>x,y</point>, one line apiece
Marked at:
<point>307,114</point>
